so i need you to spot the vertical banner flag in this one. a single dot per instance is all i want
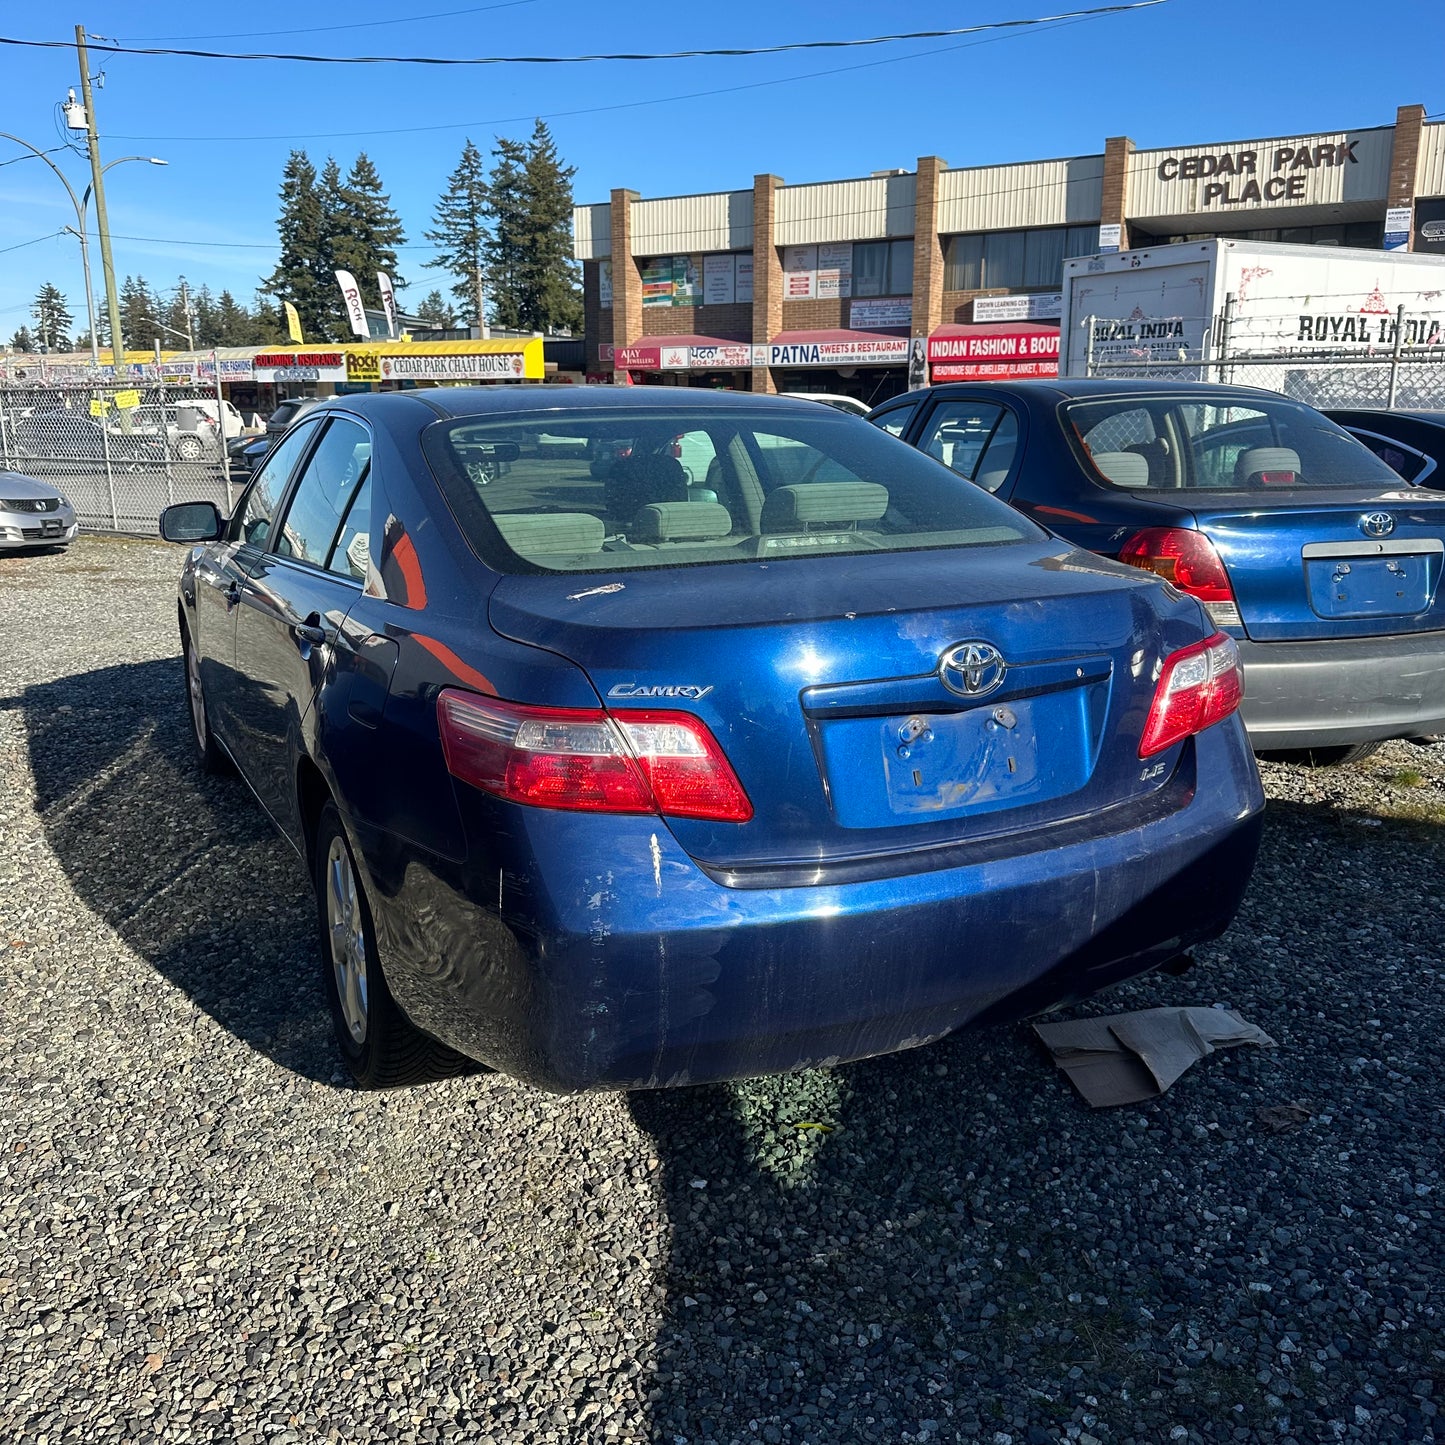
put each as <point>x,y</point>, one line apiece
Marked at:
<point>293,323</point>
<point>351,294</point>
<point>388,302</point>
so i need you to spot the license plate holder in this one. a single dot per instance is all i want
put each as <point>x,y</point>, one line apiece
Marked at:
<point>1397,585</point>
<point>51,527</point>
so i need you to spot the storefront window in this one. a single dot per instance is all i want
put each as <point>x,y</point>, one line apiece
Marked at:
<point>1017,260</point>
<point>883,268</point>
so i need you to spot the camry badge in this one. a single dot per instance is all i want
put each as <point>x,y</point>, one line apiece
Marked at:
<point>1377,524</point>
<point>694,692</point>
<point>972,669</point>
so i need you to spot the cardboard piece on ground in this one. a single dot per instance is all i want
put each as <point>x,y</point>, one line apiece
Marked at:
<point>1126,1058</point>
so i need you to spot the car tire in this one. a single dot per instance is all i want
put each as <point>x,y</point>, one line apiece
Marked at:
<point>1324,757</point>
<point>382,1047</point>
<point>188,449</point>
<point>212,756</point>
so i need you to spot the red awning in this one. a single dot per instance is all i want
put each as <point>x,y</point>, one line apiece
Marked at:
<point>689,352</point>
<point>995,350</point>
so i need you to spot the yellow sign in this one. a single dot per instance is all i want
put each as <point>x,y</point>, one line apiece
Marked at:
<point>127,400</point>
<point>293,323</point>
<point>98,407</point>
<point>363,366</point>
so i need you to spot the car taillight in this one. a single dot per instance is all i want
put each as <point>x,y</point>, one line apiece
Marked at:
<point>1198,687</point>
<point>587,760</point>
<point>1187,559</point>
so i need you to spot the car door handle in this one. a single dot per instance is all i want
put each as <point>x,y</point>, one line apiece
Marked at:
<point>309,633</point>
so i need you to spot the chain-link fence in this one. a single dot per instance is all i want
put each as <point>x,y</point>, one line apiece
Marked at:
<point>119,453</point>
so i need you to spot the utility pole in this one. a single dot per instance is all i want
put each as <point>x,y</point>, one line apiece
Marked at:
<point>102,222</point>
<point>186,312</point>
<point>483,330</point>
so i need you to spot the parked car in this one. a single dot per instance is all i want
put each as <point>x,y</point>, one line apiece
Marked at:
<point>1298,541</point>
<point>63,435</point>
<point>33,514</point>
<point>850,404</point>
<point>188,432</point>
<point>606,786</point>
<point>1411,443</point>
<point>245,452</point>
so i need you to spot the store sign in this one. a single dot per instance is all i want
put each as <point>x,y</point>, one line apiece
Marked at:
<point>1253,177</point>
<point>300,366</point>
<point>661,357</point>
<point>481,366</point>
<point>363,366</point>
<point>1046,306</point>
<point>720,358</point>
<point>1397,228</point>
<point>994,354</point>
<point>1430,225</point>
<point>873,351</point>
<point>878,315</point>
<point>1111,237</point>
<point>800,273</point>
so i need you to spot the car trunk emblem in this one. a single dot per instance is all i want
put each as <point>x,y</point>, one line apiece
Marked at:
<point>972,669</point>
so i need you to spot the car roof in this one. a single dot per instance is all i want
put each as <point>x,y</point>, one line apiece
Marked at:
<point>466,401</point>
<point>1071,387</point>
<point>1431,418</point>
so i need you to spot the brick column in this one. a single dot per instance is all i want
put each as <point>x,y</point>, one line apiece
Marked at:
<point>626,279</point>
<point>1405,159</point>
<point>767,273</point>
<point>927,249</point>
<point>1115,200</point>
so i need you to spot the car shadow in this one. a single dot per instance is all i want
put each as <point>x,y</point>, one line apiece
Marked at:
<point>183,867</point>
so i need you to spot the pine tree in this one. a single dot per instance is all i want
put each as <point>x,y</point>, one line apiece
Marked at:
<point>365,230</point>
<point>23,340</point>
<point>550,283</point>
<point>268,325</point>
<point>137,314</point>
<point>435,310</point>
<point>205,321</point>
<point>234,325</point>
<point>506,243</point>
<point>302,231</point>
<point>52,319</point>
<point>460,222</point>
<point>178,314</point>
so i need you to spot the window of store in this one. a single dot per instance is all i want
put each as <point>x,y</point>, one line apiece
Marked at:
<point>1018,260</point>
<point>1369,235</point>
<point>883,268</point>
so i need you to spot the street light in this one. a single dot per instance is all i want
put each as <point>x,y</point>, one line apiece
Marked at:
<point>81,203</point>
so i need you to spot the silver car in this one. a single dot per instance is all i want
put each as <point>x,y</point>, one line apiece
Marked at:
<point>33,514</point>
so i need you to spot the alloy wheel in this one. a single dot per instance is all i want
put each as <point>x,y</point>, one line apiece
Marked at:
<point>347,935</point>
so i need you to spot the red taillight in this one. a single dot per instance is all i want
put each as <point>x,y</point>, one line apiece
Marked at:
<point>589,761</point>
<point>1276,479</point>
<point>1183,557</point>
<point>1198,687</point>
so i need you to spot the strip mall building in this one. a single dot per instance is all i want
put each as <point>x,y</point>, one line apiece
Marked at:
<point>838,285</point>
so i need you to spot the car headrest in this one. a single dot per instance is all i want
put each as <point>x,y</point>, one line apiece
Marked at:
<point>791,509</point>
<point>1124,469</point>
<point>681,522</point>
<point>549,534</point>
<point>636,481</point>
<point>1267,466</point>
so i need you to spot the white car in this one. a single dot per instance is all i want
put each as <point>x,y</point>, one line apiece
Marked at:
<point>33,514</point>
<point>850,404</point>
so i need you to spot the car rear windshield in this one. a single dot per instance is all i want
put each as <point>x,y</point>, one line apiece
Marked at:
<point>603,489</point>
<point>1230,444</point>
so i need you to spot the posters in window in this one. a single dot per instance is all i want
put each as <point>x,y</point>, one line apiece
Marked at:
<point>1397,228</point>
<point>686,283</point>
<point>743,277</point>
<point>835,270</point>
<point>880,315</point>
<point>800,273</point>
<point>657,281</point>
<point>719,283</point>
<point>604,283</point>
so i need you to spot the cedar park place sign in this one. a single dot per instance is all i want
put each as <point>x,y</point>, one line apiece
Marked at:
<point>1289,167</point>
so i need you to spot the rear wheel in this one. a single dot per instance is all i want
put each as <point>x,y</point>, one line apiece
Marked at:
<point>188,448</point>
<point>382,1047</point>
<point>1324,757</point>
<point>212,758</point>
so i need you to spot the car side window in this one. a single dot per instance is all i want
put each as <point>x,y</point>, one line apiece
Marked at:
<point>351,555</point>
<point>320,498</point>
<point>251,523</point>
<point>998,456</point>
<point>1395,455</point>
<point>957,432</point>
<point>895,422</point>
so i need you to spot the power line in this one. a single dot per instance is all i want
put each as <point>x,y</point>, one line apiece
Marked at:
<point>327,29</point>
<point>107,48</point>
<point>20,245</point>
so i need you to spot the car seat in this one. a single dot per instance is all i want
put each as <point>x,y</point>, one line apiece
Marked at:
<point>1124,469</point>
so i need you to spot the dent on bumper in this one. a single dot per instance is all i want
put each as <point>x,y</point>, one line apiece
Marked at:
<point>1334,693</point>
<point>637,970</point>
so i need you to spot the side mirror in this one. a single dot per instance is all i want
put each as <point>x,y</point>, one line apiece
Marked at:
<point>191,522</point>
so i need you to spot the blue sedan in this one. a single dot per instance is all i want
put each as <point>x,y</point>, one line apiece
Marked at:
<point>775,744</point>
<point>1303,547</point>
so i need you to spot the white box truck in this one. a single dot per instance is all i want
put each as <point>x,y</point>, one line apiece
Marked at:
<point>1170,303</point>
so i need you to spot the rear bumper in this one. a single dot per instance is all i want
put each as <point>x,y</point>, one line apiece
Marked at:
<point>1335,693</point>
<point>629,967</point>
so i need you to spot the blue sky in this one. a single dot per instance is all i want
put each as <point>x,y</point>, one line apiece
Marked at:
<point>1181,72</point>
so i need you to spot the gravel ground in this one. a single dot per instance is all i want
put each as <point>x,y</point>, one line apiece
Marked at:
<point>206,1235</point>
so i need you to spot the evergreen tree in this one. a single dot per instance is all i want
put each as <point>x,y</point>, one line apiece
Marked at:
<point>178,314</point>
<point>23,340</point>
<point>332,324</point>
<point>506,241</point>
<point>550,283</point>
<point>460,229</point>
<point>138,314</point>
<point>365,230</point>
<point>268,324</point>
<point>52,319</point>
<point>205,321</point>
<point>301,275</point>
<point>437,312</point>
<point>234,326</point>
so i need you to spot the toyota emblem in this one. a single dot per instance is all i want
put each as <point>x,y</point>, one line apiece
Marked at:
<point>972,669</point>
<point>1377,524</point>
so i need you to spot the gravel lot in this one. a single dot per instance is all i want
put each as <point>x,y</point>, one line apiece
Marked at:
<point>206,1235</point>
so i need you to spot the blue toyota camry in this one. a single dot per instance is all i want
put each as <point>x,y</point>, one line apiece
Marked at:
<point>773,744</point>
